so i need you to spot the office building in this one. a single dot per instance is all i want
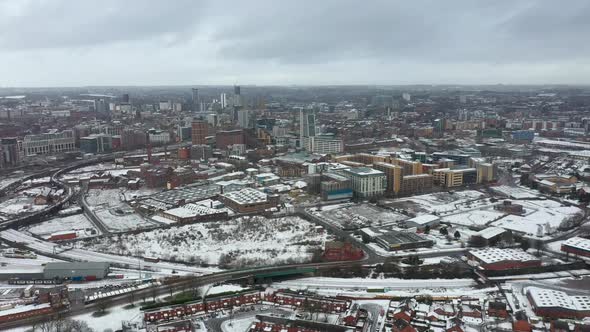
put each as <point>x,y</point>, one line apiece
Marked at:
<point>97,143</point>
<point>366,182</point>
<point>199,132</point>
<point>49,143</point>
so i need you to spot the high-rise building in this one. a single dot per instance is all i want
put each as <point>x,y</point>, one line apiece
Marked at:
<point>8,152</point>
<point>125,98</point>
<point>244,118</point>
<point>306,123</point>
<point>196,100</point>
<point>100,106</point>
<point>366,182</point>
<point>199,132</point>
<point>237,96</point>
<point>393,175</point>
<point>223,100</point>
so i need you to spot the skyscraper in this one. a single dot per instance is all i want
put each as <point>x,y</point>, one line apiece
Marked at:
<point>196,100</point>
<point>223,100</point>
<point>306,123</point>
<point>244,118</point>
<point>237,96</point>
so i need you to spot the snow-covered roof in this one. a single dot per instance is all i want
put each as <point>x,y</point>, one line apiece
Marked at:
<point>191,210</point>
<point>364,171</point>
<point>495,255</point>
<point>424,219</point>
<point>578,243</point>
<point>247,196</point>
<point>491,232</point>
<point>549,298</point>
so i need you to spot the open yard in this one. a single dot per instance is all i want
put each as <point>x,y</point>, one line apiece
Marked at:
<point>246,241</point>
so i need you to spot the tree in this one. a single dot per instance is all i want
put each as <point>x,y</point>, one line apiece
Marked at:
<point>524,244</point>
<point>443,231</point>
<point>457,235</point>
<point>427,229</point>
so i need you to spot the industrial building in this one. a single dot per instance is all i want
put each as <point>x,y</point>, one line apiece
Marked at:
<point>423,221</point>
<point>503,259</point>
<point>249,200</point>
<point>557,304</point>
<point>192,213</point>
<point>578,246</point>
<point>76,270</point>
<point>395,240</point>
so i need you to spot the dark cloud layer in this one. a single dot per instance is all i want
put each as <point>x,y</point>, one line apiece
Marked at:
<point>58,42</point>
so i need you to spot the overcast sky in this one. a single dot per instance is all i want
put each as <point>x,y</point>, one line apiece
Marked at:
<point>184,42</point>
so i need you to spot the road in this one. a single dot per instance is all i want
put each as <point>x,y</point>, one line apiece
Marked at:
<point>90,215</point>
<point>371,256</point>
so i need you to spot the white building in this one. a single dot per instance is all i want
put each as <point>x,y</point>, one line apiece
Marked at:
<point>366,182</point>
<point>54,142</point>
<point>160,137</point>
<point>323,144</point>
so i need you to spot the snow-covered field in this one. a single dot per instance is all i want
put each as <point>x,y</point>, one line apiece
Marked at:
<point>122,222</point>
<point>110,207</point>
<point>70,223</point>
<point>538,213</point>
<point>20,204</point>
<point>246,241</point>
<point>444,203</point>
<point>473,217</point>
<point>363,215</point>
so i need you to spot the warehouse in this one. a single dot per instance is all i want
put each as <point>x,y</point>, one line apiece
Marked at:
<point>395,240</point>
<point>76,270</point>
<point>191,213</point>
<point>503,259</point>
<point>577,245</point>
<point>423,221</point>
<point>558,304</point>
<point>249,200</point>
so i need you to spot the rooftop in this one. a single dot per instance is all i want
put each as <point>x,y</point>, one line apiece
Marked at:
<point>364,171</point>
<point>247,196</point>
<point>578,243</point>
<point>495,255</point>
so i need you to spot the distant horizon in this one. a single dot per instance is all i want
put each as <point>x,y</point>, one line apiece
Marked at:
<point>532,85</point>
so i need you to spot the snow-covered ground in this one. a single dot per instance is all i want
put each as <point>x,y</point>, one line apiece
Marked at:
<point>246,241</point>
<point>538,213</point>
<point>77,222</point>
<point>363,215</point>
<point>122,222</point>
<point>110,207</point>
<point>16,265</point>
<point>477,218</point>
<point>20,204</point>
<point>91,256</point>
<point>444,203</point>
